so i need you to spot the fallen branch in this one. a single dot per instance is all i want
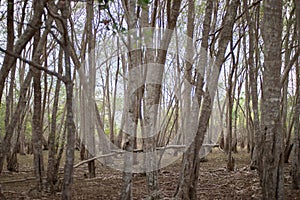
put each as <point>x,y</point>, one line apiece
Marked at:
<point>17,180</point>
<point>210,145</point>
<point>91,159</point>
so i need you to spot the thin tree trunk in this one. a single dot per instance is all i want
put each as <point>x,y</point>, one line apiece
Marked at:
<point>51,176</point>
<point>230,93</point>
<point>11,156</point>
<point>37,128</point>
<point>70,126</point>
<point>91,90</point>
<point>284,99</point>
<point>131,111</point>
<point>254,95</point>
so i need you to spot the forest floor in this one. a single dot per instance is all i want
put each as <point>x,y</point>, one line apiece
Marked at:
<point>215,182</point>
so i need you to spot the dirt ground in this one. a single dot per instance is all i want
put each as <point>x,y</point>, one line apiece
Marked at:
<point>215,182</point>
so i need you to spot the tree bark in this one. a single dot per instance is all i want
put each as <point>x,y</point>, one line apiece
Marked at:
<point>51,175</point>
<point>91,89</point>
<point>131,111</point>
<point>296,158</point>
<point>70,126</point>
<point>272,140</point>
<point>253,90</point>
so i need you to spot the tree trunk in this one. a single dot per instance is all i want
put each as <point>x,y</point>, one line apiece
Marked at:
<point>131,111</point>
<point>296,157</point>
<point>51,176</point>
<point>272,140</point>
<point>11,156</point>
<point>230,94</point>
<point>70,126</point>
<point>37,127</point>
<point>254,95</point>
<point>90,131</point>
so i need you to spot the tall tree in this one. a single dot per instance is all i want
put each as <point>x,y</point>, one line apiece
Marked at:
<point>255,156</point>
<point>271,137</point>
<point>131,111</point>
<point>37,126</point>
<point>64,6</point>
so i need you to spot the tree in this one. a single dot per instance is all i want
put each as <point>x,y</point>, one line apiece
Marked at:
<point>271,127</point>
<point>64,6</point>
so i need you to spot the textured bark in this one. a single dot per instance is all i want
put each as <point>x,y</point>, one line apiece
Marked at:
<point>296,158</point>
<point>70,126</point>
<point>11,156</point>
<point>296,150</point>
<point>91,89</point>
<point>9,43</point>
<point>288,43</point>
<point>230,95</point>
<point>37,134</point>
<point>9,46</point>
<point>272,139</point>
<point>131,112</point>
<point>51,175</point>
